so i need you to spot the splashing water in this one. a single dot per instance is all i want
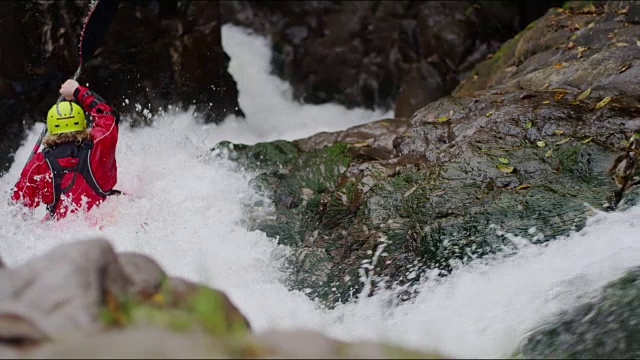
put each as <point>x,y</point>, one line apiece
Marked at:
<point>185,208</point>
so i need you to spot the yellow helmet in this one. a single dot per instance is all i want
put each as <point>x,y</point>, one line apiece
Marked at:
<point>65,116</point>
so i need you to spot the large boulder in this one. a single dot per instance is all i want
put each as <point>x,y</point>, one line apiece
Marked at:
<point>390,203</point>
<point>85,288</point>
<point>604,327</point>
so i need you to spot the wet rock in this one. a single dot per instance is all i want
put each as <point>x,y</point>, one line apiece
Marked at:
<point>605,327</point>
<point>61,292</point>
<point>395,55</point>
<point>522,149</point>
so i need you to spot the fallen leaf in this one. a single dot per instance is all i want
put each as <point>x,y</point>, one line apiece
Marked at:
<point>584,94</point>
<point>527,96</point>
<point>587,140</point>
<point>590,25</point>
<point>582,49</point>
<point>558,65</point>
<point>624,68</point>
<point>621,44</point>
<point>548,153</point>
<point>523,187</point>
<point>563,141</point>
<point>541,143</point>
<point>559,96</point>
<point>410,191</point>
<point>503,160</point>
<point>571,45</point>
<point>623,11</point>
<point>498,101</point>
<point>360,144</point>
<point>546,85</point>
<point>442,118</point>
<point>528,125</point>
<point>504,168</point>
<point>602,103</point>
<point>558,132</point>
<point>489,114</point>
<point>546,101</point>
<point>438,192</point>
<point>638,42</point>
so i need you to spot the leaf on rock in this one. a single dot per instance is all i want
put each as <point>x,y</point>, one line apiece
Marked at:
<point>541,143</point>
<point>546,101</point>
<point>584,94</point>
<point>410,191</point>
<point>504,168</point>
<point>563,141</point>
<point>528,125</point>
<point>523,187</point>
<point>548,153</point>
<point>621,44</point>
<point>442,118</point>
<point>559,96</point>
<point>558,65</point>
<point>587,140</point>
<point>624,68</point>
<point>582,49</point>
<point>603,102</point>
<point>503,160</point>
<point>558,132</point>
<point>489,114</point>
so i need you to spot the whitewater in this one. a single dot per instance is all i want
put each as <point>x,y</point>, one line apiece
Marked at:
<point>185,208</point>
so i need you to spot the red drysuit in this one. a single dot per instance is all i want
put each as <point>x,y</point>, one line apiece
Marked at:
<point>35,185</point>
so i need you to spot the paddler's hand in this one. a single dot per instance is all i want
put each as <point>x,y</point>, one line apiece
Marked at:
<point>67,89</point>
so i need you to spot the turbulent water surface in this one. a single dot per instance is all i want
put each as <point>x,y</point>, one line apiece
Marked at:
<point>185,209</point>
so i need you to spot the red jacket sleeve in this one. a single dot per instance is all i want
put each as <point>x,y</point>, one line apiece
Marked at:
<point>104,132</point>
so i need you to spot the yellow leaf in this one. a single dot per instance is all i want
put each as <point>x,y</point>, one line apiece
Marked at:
<point>443,118</point>
<point>558,65</point>
<point>157,298</point>
<point>503,160</point>
<point>563,141</point>
<point>624,68</point>
<point>489,114</point>
<point>587,140</point>
<point>523,187</point>
<point>559,96</point>
<point>590,25</point>
<point>528,125</point>
<point>558,132</point>
<point>548,153</point>
<point>410,191</point>
<point>541,144</point>
<point>604,102</point>
<point>360,144</point>
<point>584,94</point>
<point>621,44</point>
<point>546,101</point>
<point>504,168</point>
<point>638,42</point>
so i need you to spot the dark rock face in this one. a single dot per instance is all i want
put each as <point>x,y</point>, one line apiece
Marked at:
<point>155,54</point>
<point>384,54</point>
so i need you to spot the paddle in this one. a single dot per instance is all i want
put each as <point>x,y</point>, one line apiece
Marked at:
<point>95,27</point>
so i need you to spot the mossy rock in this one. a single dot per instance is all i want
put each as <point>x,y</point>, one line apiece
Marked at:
<point>606,327</point>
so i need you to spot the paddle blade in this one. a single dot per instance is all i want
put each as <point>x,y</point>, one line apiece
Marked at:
<point>95,27</point>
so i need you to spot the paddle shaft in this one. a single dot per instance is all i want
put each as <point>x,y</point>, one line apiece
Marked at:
<point>44,131</point>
